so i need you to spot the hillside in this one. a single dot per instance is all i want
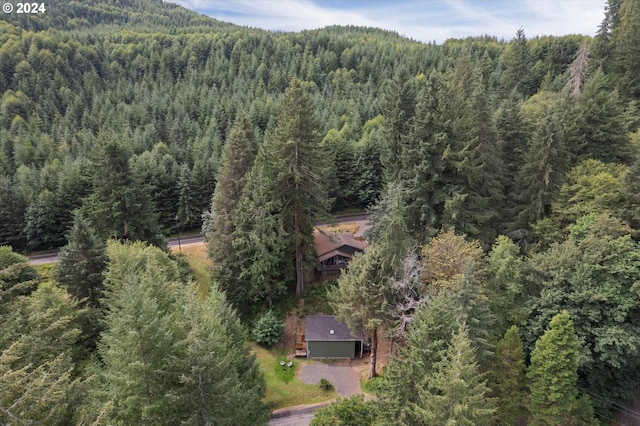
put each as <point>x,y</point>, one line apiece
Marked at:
<point>501,179</point>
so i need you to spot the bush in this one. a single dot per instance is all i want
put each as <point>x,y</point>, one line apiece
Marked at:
<point>325,385</point>
<point>268,330</point>
<point>350,411</point>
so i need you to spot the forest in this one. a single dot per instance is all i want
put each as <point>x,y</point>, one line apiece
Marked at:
<point>501,177</point>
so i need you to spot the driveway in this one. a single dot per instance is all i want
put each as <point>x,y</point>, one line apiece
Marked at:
<point>344,377</point>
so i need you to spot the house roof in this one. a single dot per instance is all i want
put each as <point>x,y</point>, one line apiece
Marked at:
<point>327,242</point>
<point>320,327</point>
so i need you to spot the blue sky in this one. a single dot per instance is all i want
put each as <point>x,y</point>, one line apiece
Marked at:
<point>424,20</point>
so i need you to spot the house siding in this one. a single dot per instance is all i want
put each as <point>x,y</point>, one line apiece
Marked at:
<point>324,349</point>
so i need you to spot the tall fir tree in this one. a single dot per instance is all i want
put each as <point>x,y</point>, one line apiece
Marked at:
<point>399,109</point>
<point>389,228</point>
<point>119,206</point>
<point>238,156</point>
<point>426,342</point>
<point>456,392</point>
<point>553,375</point>
<point>517,66</point>
<point>546,162</point>
<point>259,265</point>
<point>508,380</point>
<point>81,263</point>
<point>624,59</point>
<point>361,297</point>
<point>296,166</point>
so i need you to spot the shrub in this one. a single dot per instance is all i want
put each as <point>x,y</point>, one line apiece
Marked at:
<point>325,385</point>
<point>268,330</point>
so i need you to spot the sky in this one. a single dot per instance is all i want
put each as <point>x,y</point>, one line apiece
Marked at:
<point>422,20</point>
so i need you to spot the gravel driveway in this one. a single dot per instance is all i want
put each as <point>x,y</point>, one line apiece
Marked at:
<point>345,378</point>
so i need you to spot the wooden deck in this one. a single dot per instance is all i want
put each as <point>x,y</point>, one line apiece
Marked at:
<point>301,343</point>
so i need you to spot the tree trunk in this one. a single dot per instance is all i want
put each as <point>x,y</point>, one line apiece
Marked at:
<point>299,272</point>
<point>373,354</point>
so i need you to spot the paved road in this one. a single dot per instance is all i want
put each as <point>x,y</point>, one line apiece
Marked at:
<point>296,416</point>
<point>41,259</point>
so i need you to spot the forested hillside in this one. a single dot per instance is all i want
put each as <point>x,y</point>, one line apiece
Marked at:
<point>501,175</point>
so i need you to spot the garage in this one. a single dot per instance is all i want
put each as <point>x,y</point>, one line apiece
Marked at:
<point>327,337</point>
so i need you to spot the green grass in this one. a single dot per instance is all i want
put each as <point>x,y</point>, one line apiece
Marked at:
<point>283,388</point>
<point>45,271</point>
<point>200,265</point>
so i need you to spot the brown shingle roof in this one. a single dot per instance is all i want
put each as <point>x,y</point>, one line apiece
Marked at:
<point>327,242</point>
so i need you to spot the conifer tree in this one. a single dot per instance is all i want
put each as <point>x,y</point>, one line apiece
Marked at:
<point>361,296</point>
<point>139,347</point>
<point>602,126</point>
<point>457,393</point>
<point>546,162</point>
<point>422,164</point>
<point>81,263</point>
<point>624,60</point>
<point>237,158</point>
<point>473,310</point>
<point>119,206</point>
<point>389,229</point>
<point>508,381</point>
<point>427,338</point>
<point>259,265</point>
<point>399,109</point>
<point>517,66</point>
<point>295,164</point>
<point>553,374</point>
<point>221,383</point>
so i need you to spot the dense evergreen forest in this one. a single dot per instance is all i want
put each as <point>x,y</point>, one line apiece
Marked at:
<point>502,177</point>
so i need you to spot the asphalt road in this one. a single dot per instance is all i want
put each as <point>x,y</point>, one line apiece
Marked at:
<point>296,416</point>
<point>42,259</point>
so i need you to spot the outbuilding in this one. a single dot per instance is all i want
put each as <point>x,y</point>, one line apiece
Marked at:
<point>327,337</point>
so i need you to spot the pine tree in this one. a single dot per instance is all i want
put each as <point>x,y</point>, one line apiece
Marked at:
<point>221,382</point>
<point>508,381</point>
<point>427,338</point>
<point>399,109</point>
<point>422,163</point>
<point>81,263</point>
<point>295,165</point>
<point>517,63</point>
<point>624,60</point>
<point>505,284</point>
<point>361,296</point>
<point>237,158</point>
<point>258,267</point>
<point>473,310</point>
<point>389,229</point>
<point>37,384</point>
<point>546,162</point>
<point>602,126</point>
<point>119,206</point>
<point>139,347</point>
<point>456,393</point>
<point>553,374</point>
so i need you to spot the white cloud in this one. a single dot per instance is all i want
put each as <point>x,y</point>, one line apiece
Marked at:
<point>424,20</point>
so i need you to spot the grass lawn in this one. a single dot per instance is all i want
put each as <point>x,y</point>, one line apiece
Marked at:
<point>283,389</point>
<point>196,254</point>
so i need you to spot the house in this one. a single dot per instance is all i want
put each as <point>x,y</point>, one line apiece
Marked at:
<point>335,251</point>
<point>326,337</point>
